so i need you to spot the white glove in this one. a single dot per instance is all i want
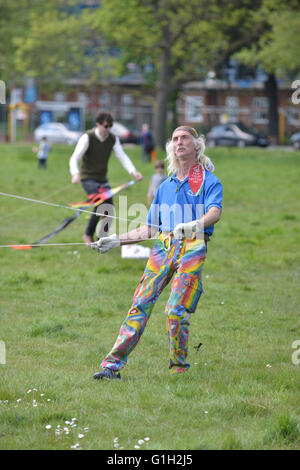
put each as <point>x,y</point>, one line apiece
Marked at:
<point>185,230</point>
<point>106,243</point>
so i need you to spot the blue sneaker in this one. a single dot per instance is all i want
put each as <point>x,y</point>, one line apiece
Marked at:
<point>107,374</point>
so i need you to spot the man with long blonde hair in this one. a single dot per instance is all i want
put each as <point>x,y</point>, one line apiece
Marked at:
<point>174,161</point>
<point>185,208</point>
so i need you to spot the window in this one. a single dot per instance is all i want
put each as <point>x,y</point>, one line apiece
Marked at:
<point>82,97</point>
<point>104,100</point>
<point>193,108</point>
<point>293,115</point>
<point>126,110</point>
<point>59,96</point>
<point>260,110</point>
<point>232,104</point>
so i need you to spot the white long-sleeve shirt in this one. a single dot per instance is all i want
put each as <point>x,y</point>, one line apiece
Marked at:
<point>82,146</point>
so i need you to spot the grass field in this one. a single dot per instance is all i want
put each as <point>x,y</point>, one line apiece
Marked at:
<point>61,309</point>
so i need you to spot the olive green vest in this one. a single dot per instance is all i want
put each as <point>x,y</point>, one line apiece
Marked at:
<point>95,160</point>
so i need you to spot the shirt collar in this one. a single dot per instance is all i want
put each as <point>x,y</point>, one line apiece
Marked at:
<point>97,134</point>
<point>174,177</point>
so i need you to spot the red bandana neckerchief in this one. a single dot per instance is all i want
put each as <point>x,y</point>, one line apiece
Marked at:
<point>196,178</point>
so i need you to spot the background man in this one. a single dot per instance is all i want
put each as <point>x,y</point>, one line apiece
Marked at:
<point>94,148</point>
<point>180,250</point>
<point>147,143</point>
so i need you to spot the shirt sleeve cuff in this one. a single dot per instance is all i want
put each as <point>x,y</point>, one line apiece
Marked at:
<point>214,205</point>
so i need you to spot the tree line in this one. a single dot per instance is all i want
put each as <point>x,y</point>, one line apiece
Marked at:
<point>171,41</point>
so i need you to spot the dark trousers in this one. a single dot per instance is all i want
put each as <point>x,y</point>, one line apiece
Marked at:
<point>146,157</point>
<point>42,163</point>
<point>91,187</point>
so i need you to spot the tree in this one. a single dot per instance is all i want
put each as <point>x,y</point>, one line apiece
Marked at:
<point>11,27</point>
<point>47,41</point>
<point>274,49</point>
<point>58,45</point>
<point>182,39</point>
<point>51,50</point>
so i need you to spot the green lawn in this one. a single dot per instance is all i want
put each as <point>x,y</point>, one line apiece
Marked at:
<point>61,309</point>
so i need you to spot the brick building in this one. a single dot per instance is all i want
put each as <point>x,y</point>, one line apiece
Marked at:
<point>207,103</point>
<point>128,100</point>
<point>201,104</point>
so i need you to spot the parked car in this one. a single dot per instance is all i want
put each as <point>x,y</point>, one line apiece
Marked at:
<point>235,135</point>
<point>56,132</point>
<point>125,135</point>
<point>295,141</point>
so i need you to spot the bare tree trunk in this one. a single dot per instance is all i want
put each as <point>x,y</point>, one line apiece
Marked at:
<point>163,92</point>
<point>173,108</point>
<point>271,92</point>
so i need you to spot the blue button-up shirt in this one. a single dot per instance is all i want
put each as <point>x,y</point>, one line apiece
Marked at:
<point>175,202</point>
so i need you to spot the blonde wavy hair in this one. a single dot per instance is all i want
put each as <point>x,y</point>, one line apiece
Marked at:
<point>199,143</point>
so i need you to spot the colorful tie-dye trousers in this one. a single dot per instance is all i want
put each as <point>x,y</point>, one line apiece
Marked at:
<point>184,260</point>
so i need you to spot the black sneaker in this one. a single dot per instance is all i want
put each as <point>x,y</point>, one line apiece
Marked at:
<point>107,374</point>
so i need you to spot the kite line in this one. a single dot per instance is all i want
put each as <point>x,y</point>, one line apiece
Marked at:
<point>94,200</point>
